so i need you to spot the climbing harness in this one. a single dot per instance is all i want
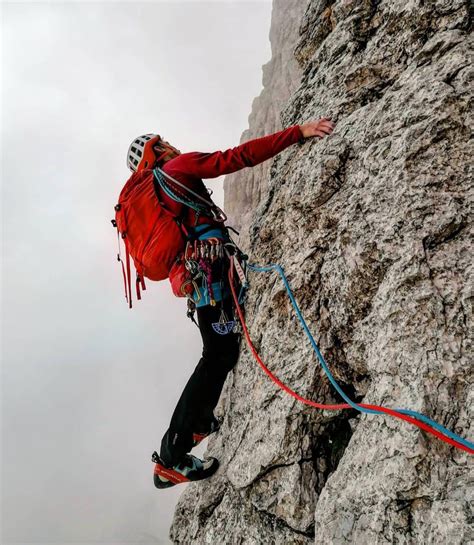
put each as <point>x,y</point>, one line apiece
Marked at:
<point>200,256</point>
<point>418,419</point>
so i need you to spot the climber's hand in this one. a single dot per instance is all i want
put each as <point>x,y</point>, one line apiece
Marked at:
<point>322,127</point>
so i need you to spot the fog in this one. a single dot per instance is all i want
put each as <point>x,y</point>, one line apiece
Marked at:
<point>88,386</point>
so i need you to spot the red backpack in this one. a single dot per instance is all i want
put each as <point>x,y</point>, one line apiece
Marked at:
<point>153,236</point>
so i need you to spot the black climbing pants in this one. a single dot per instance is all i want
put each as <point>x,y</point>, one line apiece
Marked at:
<point>194,412</point>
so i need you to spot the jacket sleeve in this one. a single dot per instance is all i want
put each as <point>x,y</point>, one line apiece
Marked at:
<point>248,154</point>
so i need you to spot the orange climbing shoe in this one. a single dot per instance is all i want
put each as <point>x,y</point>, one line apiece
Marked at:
<point>189,469</point>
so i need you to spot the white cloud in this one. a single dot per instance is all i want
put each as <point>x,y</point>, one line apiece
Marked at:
<point>89,385</point>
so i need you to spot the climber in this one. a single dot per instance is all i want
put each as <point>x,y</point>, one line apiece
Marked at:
<point>177,184</point>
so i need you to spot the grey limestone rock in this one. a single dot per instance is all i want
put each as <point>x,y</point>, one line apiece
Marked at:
<point>373,229</point>
<point>281,75</point>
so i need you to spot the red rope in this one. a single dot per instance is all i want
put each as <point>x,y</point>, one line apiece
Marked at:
<point>302,399</point>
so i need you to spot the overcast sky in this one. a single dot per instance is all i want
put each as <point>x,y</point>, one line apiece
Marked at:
<point>89,385</point>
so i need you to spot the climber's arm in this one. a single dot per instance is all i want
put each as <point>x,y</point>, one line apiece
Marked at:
<point>248,154</point>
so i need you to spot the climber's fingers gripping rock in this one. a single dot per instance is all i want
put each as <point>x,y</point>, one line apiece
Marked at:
<point>321,128</point>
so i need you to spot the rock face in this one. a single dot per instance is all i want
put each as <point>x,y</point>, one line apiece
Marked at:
<point>373,230</point>
<point>243,190</point>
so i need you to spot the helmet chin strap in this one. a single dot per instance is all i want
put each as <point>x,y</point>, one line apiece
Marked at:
<point>161,157</point>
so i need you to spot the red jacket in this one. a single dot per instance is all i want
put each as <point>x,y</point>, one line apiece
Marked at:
<point>190,168</point>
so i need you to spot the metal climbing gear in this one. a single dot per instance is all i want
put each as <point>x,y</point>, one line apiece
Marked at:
<point>224,325</point>
<point>211,248</point>
<point>238,260</point>
<point>191,310</point>
<point>206,269</point>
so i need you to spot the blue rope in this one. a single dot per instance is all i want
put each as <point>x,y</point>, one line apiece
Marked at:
<point>194,205</point>
<point>324,365</point>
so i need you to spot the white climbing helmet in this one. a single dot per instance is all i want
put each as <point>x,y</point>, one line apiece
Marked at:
<point>141,153</point>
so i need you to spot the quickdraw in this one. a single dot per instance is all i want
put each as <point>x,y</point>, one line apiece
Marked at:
<point>211,248</point>
<point>199,256</point>
<point>206,271</point>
